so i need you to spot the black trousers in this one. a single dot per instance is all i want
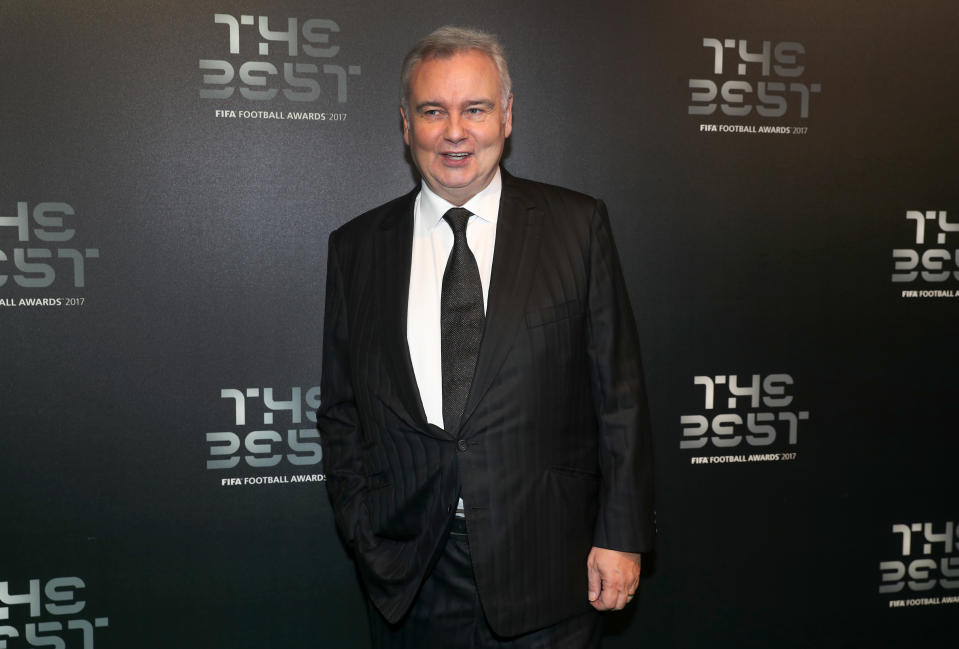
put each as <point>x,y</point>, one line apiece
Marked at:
<point>447,613</point>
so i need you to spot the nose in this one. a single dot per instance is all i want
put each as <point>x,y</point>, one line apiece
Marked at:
<point>454,129</point>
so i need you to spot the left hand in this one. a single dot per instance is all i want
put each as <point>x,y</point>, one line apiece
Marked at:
<point>613,578</point>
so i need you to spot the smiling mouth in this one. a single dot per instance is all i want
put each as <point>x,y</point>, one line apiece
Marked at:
<point>456,156</point>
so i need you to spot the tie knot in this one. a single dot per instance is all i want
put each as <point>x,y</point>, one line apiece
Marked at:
<point>457,218</point>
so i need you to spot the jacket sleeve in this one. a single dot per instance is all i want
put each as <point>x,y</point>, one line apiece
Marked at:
<point>337,417</point>
<point>625,518</point>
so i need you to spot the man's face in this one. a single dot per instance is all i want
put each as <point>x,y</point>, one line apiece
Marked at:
<point>456,127</point>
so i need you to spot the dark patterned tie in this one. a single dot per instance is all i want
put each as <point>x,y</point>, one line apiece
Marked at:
<point>461,319</point>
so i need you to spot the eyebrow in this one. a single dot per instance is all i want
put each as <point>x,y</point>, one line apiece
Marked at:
<point>471,102</point>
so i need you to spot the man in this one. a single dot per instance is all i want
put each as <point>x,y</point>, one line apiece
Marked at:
<point>483,411</point>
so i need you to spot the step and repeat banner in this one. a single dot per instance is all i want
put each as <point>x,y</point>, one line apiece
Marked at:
<point>782,183</point>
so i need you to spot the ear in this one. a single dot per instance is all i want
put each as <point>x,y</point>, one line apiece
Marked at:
<point>508,124</point>
<point>406,127</point>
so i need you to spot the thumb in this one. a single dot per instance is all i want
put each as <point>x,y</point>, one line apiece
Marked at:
<point>594,581</point>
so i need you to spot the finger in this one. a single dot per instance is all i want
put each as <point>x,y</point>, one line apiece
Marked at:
<point>601,604</point>
<point>622,600</point>
<point>610,596</point>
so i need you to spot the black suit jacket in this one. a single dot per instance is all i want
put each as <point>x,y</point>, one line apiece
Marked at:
<point>552,455</point>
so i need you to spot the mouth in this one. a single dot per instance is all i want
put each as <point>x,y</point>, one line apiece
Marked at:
<point>456,157</point>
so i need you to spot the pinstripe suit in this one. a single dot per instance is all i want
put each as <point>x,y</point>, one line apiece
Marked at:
<point>552,455</point>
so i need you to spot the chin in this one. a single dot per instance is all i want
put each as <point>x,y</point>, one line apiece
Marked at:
<point>455,183</point>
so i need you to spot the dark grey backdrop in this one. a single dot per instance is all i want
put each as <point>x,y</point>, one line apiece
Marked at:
<point>746,253</point>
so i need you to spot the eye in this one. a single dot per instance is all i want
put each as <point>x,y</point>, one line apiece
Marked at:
<point>476,113</point>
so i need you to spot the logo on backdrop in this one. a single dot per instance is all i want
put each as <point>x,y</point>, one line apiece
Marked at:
<point>265,62</point>
<point>41,262</point>
<point>930,267</point>
<point>262,450</point>
<point>51,616</point>
<point>925,570</point>
<point>744,419</point>
<point>761,81</point>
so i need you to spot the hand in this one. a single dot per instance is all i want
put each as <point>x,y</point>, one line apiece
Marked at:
<point>613,578</point>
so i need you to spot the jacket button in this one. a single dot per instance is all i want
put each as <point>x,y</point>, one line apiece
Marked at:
<point>462,445</point>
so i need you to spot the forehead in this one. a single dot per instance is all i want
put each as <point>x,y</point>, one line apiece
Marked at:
<point>470,72</point>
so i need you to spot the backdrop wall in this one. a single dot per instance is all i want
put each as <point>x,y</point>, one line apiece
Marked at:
<point>781,180</point>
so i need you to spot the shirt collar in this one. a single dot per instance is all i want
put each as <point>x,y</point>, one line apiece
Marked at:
<point>485,204</point>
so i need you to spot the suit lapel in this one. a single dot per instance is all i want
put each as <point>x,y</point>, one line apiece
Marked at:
<point>518,231</point>
<point>394,249</point>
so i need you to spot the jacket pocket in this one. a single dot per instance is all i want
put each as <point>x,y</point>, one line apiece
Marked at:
<point>573,472</point>
<point>554,313</point>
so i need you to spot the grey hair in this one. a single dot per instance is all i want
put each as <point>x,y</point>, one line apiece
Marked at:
<point>444,43</point>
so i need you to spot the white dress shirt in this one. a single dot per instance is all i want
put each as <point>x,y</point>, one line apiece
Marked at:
<point>432,243</point>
